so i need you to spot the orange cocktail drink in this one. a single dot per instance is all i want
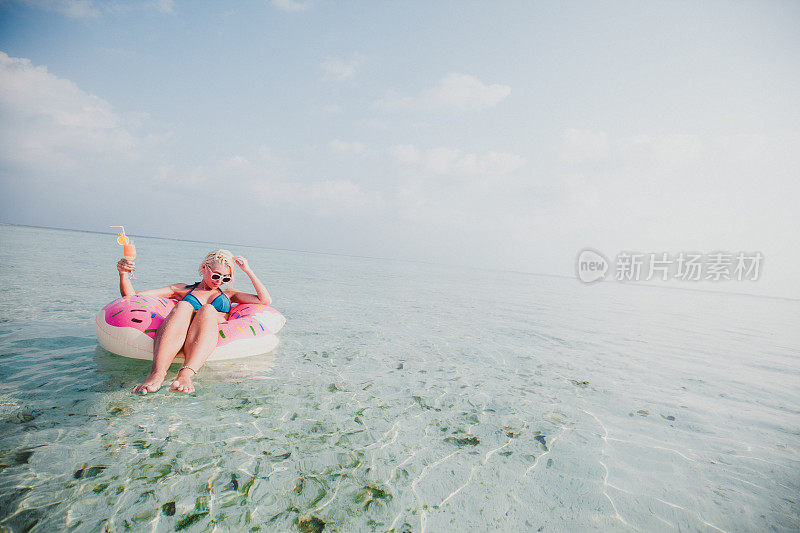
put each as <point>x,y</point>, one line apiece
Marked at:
<point>128,248</point>
<point>129,251</point>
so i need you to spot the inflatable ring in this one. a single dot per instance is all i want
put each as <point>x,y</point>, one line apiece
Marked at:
<point>128,325</point>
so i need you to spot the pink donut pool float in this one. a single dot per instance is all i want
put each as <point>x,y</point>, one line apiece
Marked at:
<point>127,326</point>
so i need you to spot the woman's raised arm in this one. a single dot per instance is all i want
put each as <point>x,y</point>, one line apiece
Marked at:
<point>164,292</point>
<point>124,266</point>
<point>262,296</point>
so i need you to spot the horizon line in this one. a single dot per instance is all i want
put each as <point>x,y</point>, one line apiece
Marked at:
<point>340,254</point>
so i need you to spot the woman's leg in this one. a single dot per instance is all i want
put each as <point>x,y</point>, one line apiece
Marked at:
<point>167,343</point>
<point>201,340</point>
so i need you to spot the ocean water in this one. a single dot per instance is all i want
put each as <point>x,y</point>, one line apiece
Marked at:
<point>402,397</point>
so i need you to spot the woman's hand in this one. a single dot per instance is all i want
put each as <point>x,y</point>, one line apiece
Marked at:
<point>125,286</point>
<point>125,265</point>
<point>242,262</point>
<point>262,296</point>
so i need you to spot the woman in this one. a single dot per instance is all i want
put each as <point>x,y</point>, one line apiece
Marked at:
<point>192,323</point>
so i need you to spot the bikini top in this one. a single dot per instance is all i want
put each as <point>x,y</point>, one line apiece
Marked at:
<point>221,303</point>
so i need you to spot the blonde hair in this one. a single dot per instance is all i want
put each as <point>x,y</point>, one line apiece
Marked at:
<point>223,257</point>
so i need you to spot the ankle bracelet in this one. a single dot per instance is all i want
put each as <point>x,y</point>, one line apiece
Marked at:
<point>190,368</point>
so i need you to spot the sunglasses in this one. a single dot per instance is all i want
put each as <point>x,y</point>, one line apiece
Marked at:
<point>225,279</point>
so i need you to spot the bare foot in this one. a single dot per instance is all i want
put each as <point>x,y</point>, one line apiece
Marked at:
<point>183,382</point>
<point>151,384</point>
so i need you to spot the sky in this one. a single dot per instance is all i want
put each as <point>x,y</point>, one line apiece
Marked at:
<point>504,135</point>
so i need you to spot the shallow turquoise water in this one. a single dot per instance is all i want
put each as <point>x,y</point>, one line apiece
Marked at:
<point>403,396</point>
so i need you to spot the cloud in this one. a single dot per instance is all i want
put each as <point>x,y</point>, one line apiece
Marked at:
<point>336,196</point>
<point>263,179</point>
<point>291,5</point>
<point>72,8</point>
<point>168,176</point>
<point>51,124</point>
<point>337,69</point>
<point>332,109</point>
<point>323,198</point>
<point>237,161</point>
<point>337,146</point>
<point>449,202</point>
<point>406,154</point>
<point>83,9</point>
<point>578,146</point>
<point>164,6</point>
<point>669,150</point>
<point>452,162</point>
<point>455,92</point>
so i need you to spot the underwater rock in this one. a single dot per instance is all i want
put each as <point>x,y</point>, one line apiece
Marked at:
<point>278,456</point>
<point>233,484</point>
<point>288,511</point>
<point>473,419</point>
<point>422,404</point>
<point>158,453</point>
<point>168,508</point>
<point>190,519</point>
<point>463,441</point>
<point>202,504</point>
<point>248,485</point>
<point>163,471</point>
<point>309,525</point>
<point>145,495</point>
<point>92,471</point>
<point>23,417</point>
<point>371,495</point>
<point>22,457</point>
<point>144,516</point>
<point>23,519</point>
<point>115,410</point>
